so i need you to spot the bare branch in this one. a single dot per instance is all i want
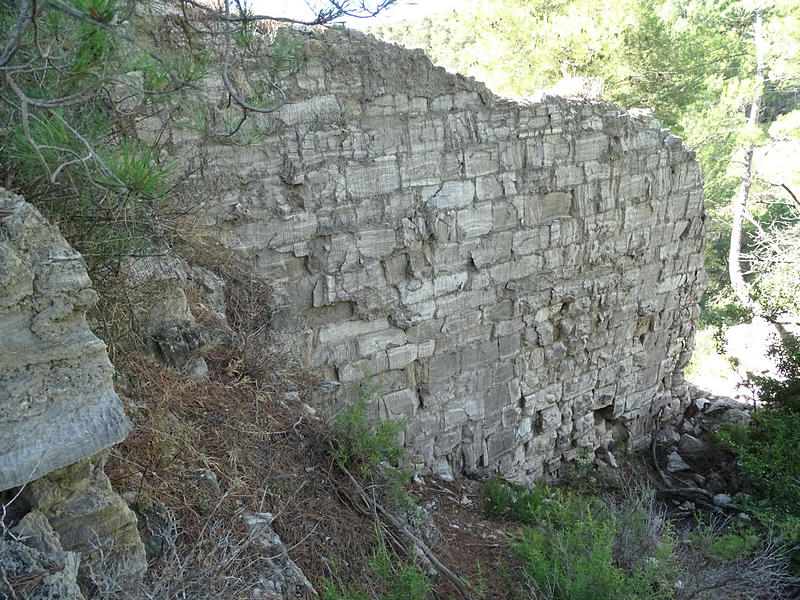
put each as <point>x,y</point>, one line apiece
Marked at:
<point>24,21</point>
<point>790,192</point>
<point>51,102</point>
<point>115,32</point>
<point>226,78</point>
<point>103,167</point>
<point>325,16</point>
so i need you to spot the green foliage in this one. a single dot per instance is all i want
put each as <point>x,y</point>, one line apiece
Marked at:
<point>396,580</point>
<point>504,500</point>
<point>364,442</point>
<point>569,545</point>
<point>76,83</point>
<point>65,153</point>
<point>136,167</point>
<point>739,541</point>
<point>768,450</point>
<point>783,394</point>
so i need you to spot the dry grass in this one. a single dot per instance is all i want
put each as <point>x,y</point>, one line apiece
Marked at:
<point>265,448</point>
<point>267,455</point>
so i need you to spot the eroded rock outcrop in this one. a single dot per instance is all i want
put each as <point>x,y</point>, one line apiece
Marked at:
<point>57,399</point>
<point>58,408</point>
<point>522,278</point>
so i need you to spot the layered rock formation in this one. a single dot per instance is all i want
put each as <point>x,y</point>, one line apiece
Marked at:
<point>57,400</point>
<point>522,278</point>
<point>58,411</point>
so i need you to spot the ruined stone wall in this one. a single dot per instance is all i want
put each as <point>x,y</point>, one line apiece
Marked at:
<point>521,278</point>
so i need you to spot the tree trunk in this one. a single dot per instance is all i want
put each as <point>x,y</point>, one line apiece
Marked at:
<point>740,287</point>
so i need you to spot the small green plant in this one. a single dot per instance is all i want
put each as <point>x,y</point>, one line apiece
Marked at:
<point>739,541</point>
<point>364,442</point>
<point>504,500</point>
<point>396,580</point>
<point>479,584</point>
<point>568,546</point>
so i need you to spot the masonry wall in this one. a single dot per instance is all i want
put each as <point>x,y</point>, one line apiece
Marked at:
<point>521,279</point>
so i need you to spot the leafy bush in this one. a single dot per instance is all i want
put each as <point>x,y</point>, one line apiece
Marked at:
<point>363,441</point>
<point>68,149</point>
<point>569,546</point>
<point>739,541</point>
<point>768,451</point>
<point>504,500</point>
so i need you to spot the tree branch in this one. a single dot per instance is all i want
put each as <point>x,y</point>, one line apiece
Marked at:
<point>24,21</point>
<point>234,94</point>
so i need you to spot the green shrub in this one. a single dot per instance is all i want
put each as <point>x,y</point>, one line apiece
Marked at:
<point>363,442</point>
<point>739,541</point>
<point>768,450</point>
<point>568,545</point>
<point>395,580</point>
<point>504,500</point>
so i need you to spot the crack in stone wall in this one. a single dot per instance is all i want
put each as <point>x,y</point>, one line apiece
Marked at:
<point>521,278</point>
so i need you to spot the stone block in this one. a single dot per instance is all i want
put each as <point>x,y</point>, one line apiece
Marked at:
<point>376,243</point>
<point>350,330</point>
<point>449,283</point>
<point>475,222</point>
<point>556,204</point>
<point>402,356</point>
<point>482,162</point>
<point>370,343</point>
<point>381,177</point>
<point>421,170</point>
<point>57,398</point>
<point>322,107</point>
<point>444,366</point>
<point>488,188</point>
<point>549,418</point>
<point>449,195</point>
<point>399,404</point>
<point>591,147</point>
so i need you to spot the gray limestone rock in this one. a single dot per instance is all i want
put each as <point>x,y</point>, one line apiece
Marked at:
<point>57,401</point>
<point>737,416</point>
<point>689,445</point>
<point>522,277</point>
<point>35,565</point>
<point>90,519</point>
<point>676,463</point>
<point>282,579</point>
<point>722,500</point>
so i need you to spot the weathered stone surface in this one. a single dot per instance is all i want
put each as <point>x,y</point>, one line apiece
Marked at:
<point>57,401</point>
<point>690,445</point>
<point>282,578</point>
<point>90,519</point>
<point>35,565</point>
<point>676,463</point>
<point>544,257</point>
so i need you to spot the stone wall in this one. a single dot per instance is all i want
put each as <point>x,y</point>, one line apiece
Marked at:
<point>521,278</point>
